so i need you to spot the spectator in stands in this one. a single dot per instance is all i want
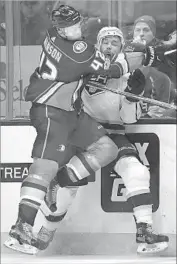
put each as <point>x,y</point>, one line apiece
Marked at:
<point>145,29</point>
<point>34,21</point>
<point>158,85</point>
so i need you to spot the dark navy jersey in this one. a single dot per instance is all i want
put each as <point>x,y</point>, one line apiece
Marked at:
<point>64,61</point>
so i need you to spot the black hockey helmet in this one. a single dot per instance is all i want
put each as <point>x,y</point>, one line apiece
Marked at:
<point>65,16</point>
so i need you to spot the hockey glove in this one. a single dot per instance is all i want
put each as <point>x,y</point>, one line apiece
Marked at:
<point>171,42</point>
<point>135,84</point>
<point>170,46</point>
<point>153,55</point>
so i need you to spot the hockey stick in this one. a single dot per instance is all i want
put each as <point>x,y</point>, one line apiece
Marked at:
<point>138,97</point>
<point>170,51</point>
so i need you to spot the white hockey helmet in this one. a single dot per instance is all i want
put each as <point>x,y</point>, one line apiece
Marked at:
<point>109,31</point>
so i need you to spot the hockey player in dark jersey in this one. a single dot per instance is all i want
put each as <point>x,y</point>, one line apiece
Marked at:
<point>64,58</point>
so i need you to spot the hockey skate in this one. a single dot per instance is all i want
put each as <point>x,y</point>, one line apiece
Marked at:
<point>148,241</point>
<point>51,196</point>
<point>21,238</point>
<point>44,237</point>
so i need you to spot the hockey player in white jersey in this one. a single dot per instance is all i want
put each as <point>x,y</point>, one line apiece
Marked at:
<point>110,110</point>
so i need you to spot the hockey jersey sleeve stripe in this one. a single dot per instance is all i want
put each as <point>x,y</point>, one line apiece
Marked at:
<point>112,126</point>
<point>124,66</point>
<point>130,112</point>
<point>78,91</point>
<point>120,68</point>
<point>50,91</point>
<point>44,92</point>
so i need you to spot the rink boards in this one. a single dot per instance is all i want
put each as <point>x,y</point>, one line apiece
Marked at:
<point>99,227</point>
<point>100,207</point>
<point>86,260</point>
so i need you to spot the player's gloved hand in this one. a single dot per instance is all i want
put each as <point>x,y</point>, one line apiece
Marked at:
<point>154,55</point>
<point>169,47</point>
<point>135,84</point>
<point>171,42</point>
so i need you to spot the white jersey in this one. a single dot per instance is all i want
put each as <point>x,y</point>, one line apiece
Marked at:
<point>107,107</point>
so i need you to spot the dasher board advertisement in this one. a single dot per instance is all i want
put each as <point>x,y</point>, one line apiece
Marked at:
<point>103,199</point>
<point>112,187</point>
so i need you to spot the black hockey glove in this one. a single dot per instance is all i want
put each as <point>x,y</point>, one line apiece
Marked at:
<point>154,55</point>
<point>135,84</point>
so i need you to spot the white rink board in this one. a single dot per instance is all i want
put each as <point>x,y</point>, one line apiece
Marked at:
<point>86,260</point>
<point>86,213</point>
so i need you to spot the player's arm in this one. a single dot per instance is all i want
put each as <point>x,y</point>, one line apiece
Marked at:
<point>126,62</point>
<point>102,65</point>
<point>131,110</point>
<point>139,54</point>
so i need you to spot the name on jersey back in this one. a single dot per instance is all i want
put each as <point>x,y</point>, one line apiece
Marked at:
<point>51,50</point>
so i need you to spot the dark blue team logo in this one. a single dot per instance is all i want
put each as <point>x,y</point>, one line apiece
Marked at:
<point>112,187</point>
